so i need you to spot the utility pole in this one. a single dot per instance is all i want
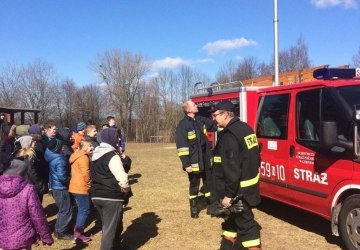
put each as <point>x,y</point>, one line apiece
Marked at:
<point>276,46</point>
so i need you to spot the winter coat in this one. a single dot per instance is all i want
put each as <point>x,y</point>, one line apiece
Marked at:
<point>59,170</point>
<point>236,163</point>
<point>80,173</point>
<point>32,173</point>
<point>191,142</point>
<point>22,215</point>
<point>104,184</point>
<point>41,165</point>
<point>7,144</point>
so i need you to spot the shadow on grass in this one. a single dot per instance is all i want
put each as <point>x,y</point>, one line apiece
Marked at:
<point>302,219</point>
<point>94,216</point>
<point>140,231</point>
<point>77,246</point>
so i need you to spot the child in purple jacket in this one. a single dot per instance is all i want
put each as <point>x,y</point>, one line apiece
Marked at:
<point>22,216</point>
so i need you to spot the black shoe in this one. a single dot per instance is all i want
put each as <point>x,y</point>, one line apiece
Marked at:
<point>194,216</point>
<point>63,236</point>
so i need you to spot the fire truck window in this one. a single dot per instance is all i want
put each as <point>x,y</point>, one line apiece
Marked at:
<point>333,111</point>
<point>308,106</point>
<point>273,117</point>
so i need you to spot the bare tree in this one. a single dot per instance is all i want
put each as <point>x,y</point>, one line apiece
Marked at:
<point>247,69</point>
<point>88,103</point>
<point>265,69</point>
<point>187,78</point>
<point>170,100</point>
<point>9,86</point>
<point>226,72</point>
<point>37,83</point>
<point>122,72</point>
<point>148,112</point>
<point>169,87</point>
<point>356,59</point>
<point>65,103</point>
<point>294,58</point>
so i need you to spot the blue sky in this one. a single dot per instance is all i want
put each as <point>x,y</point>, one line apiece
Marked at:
<point>203,34</point>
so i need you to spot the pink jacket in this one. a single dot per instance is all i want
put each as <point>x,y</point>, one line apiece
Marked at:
<point>22,215</point>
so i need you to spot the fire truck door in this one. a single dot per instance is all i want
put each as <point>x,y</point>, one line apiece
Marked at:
<point>315,175</point>
<point>272,133</point>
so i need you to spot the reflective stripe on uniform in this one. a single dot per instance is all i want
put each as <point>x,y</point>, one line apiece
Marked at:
<point>195,167</point>
<point>207,194</point>
<point>251,243</point>
<point>192,197</point>
<point>251,141</point>
<point>250,182</point>
<point>205,131</point>
<point>229,234</point>
<point>217,159</point>
<point>183,151</point>
<point>191,135</point>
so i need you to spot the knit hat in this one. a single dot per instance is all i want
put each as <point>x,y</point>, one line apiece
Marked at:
<point>25,141</point>
<point>80,126</point>
<point>54,145</point>
<point>110,136</point>
<point>34,129</point>
<point>22,130</point>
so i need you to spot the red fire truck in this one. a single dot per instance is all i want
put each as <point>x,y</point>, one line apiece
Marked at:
<point>309,138</point>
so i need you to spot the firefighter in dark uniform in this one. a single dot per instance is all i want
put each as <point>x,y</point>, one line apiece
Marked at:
<point>195,152</point>
<point>235,176</point>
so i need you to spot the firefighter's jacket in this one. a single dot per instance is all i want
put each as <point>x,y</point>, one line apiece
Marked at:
<point>236,163</point>
<point>192,144</point>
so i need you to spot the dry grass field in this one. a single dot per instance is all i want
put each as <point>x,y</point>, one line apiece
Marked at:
<point>158,218</point>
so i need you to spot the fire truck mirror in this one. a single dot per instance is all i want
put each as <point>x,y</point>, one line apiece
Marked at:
<point>330,139</point>
<point>328,134</point>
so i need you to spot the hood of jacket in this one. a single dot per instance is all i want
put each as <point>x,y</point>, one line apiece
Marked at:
<point>18,166</point>
<point>49,155</point>
<point>11,185</point>
<point>76,155</point>
<point>99,151</point>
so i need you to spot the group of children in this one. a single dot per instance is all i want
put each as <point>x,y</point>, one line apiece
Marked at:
<point>59,160</point>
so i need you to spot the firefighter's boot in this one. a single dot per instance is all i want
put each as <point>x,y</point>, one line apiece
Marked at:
<point>194,209</point>
<point>227,243</point>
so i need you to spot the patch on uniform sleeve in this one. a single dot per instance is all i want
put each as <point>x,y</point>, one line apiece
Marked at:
<point>251,141</point>
<point>191,135</point>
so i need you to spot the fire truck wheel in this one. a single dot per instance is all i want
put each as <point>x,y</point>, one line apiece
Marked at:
<point>349,222</point>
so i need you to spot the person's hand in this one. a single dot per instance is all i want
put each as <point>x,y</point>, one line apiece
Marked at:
<point>188,169</point>
<point>125,190</point>
<point>226,202</point>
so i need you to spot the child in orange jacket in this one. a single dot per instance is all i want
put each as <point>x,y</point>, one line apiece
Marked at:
<point>79,187</point>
